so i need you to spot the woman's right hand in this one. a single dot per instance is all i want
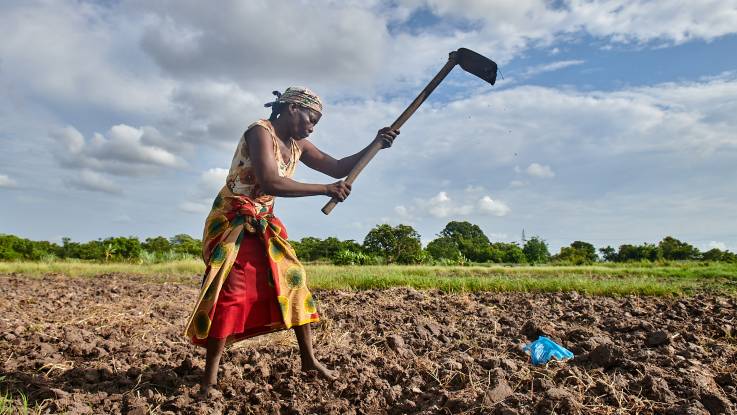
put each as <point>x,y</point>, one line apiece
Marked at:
<point>339,190</point>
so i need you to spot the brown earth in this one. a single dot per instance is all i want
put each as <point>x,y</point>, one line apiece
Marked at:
<point>112,344</point>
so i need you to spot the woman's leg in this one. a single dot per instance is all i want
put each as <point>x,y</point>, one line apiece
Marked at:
<point>215,349</point>
<point>309,361</point>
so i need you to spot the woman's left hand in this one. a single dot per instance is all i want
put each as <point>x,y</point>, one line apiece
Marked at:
<point>387,136</point>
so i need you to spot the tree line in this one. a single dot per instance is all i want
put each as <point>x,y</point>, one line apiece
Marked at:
<point>459,243</point>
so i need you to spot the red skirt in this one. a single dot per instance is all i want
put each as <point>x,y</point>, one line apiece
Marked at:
<point>247,305</point>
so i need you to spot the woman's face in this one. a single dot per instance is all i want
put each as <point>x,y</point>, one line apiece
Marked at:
<point>303,122</point>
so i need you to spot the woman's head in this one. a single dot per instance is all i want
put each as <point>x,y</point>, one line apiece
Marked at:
<point>298,108</point>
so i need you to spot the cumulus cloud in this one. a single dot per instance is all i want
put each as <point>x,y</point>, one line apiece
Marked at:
<point>244,41</point>
<point>490,206</point>
<point>718,245</point>
<point>442,206</point>
<point>207,186</point>
<point>644,21</point>
<point>122,151</point>
<point>212,180</point>
<point>79,56</point>
<point>469,140</point>
<point>517,183</point>
<point>539,170</point>
<point>638,21</point>
<point>402,211</point>
<point>7,182</point>
<point>201,206</point>
<point>214,111</point>
<point>92,181</point>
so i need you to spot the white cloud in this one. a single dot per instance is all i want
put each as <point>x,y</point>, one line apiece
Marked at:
<point>246,42</point>
<point>122,218</point>
<point>516,24</point>
<point>208,185</point>
<point>201,207</point>
<point>517,183</point>
<point>643,21</point>
<point>718,245</point>
<point>550,67</point>
<point>490,206</point>
<point>93,182</point>
<point>682,118</point>
<point>473,189</point>
<point>121,151</point>
<point>539,170</point>
<point>7,182</point>
<point>215,111</point>
<point>79,55</point>
<point>441,206</point>
<point>493,236</point>
<point>402,211</point>
<point>213,179</point>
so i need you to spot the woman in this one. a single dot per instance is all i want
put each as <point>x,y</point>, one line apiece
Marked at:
<point>254,284</point>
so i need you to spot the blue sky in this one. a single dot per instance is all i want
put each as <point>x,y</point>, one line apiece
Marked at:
<point>613,123</point>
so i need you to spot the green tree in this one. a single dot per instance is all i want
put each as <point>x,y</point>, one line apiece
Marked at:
<point>443,248</point>
<point>577,253</point>
<point>536,251</point>
<point>673,249</point>
<point>15,248</point>
<point>185,244</point>
<point>121,248</point>
<point>644,252</point>
<point>463,230</point>
<point>506,252</point>
<point>400,244</point>
<point>609,254</point>
<point>714,254</point>
<point>586,249</point>
<point>314,249</point>
<point>157,245</point>
<point>470,240</point>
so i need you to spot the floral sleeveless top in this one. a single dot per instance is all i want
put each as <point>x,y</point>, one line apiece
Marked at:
<point>241,178</point>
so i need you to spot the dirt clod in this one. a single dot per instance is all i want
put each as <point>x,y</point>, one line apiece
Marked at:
<point>500,392</point>
<point>657,338</point>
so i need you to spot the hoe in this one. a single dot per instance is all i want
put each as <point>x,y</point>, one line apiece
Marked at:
<point>468,60</point>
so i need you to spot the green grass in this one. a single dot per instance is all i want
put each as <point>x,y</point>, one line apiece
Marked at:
<point>601,279</point>
<point>17,405</point>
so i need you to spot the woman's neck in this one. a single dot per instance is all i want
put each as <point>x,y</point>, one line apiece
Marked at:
<point>281,130</point>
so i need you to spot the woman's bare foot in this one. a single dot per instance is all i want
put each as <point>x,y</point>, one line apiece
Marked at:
<point>207,392</point>
<point>320,369</point>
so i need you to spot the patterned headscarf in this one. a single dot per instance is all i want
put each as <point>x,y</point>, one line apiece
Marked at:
<point>300,96</point>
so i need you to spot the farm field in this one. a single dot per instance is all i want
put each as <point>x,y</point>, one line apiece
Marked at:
<point>105,338</point>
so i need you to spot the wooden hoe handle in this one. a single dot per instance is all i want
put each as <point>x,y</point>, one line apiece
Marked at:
<point>376,145</point>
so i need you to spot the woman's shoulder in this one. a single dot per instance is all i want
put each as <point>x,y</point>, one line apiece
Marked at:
<point>265,124</point>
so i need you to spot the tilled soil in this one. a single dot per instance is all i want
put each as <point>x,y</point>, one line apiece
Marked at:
<point>112,344</point>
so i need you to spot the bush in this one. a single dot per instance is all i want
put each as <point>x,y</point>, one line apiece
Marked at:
<point>346,257</point>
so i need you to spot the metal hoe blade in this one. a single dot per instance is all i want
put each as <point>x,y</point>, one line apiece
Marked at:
<point>477,64</point>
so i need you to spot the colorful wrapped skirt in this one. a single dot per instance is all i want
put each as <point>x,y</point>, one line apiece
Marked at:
<point>254,283</point>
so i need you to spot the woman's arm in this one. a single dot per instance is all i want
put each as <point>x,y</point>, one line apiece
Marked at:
<point>315,159</point>
<point>260,148</point>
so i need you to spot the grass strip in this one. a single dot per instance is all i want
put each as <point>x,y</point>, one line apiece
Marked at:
<point>610,280</point>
